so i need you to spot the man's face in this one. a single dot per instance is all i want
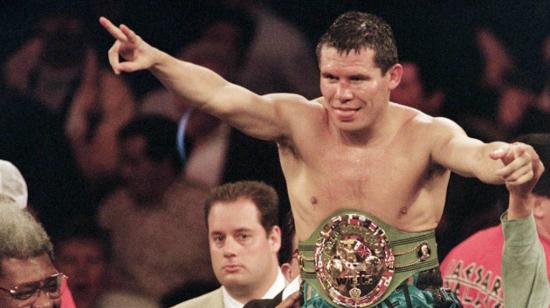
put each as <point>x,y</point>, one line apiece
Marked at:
<point>354,89</point>
<point>17,272</point>
<point>243,255</point>
<point>83,260</point>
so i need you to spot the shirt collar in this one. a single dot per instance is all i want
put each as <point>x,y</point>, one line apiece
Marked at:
<point>293,286</point>
<point>277,286</point>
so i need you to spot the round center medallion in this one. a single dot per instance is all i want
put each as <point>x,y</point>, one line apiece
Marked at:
<point>353,260</point>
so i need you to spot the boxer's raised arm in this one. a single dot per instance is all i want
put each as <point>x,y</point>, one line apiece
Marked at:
<point>259,116</point>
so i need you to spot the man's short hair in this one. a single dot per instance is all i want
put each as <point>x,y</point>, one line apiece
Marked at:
<point>21,235</point>
<point>262,195</point>
<point>160,136</point>
<point>84,229</point>
<point>289,232</point>
<point>353,31</point>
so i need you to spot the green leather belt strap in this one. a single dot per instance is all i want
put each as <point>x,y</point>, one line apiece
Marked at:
<point>405,246</point>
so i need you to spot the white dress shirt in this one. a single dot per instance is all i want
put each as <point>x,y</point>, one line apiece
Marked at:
<point>293,286</point>
<point>276,287</point>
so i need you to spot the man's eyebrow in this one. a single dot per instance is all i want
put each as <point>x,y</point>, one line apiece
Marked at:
<point>243,229</point>
<point>216,233</point>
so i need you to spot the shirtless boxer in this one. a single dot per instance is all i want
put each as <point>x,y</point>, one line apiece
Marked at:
<point>356,165</point>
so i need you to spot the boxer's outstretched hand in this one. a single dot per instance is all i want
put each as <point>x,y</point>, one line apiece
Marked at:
<point>134,51</point>
<point>522,167</point>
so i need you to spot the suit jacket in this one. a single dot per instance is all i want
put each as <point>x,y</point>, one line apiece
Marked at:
<point>212,299</point>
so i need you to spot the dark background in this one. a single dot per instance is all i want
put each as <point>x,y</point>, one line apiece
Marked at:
<point>442,29</point>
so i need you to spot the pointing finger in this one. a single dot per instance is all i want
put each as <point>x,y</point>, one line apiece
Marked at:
<point>112,29</point>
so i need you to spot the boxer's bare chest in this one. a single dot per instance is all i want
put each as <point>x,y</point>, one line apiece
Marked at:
<point>384,179</point>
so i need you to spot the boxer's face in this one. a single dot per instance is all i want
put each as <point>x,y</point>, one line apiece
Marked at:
<point>355,90</point>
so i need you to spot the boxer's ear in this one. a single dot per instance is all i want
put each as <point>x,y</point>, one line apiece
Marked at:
<point>394,74</point>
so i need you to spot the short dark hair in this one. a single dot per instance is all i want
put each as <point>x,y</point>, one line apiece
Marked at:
<point>353,31</point>
<point>160,134</point>
<point>21,235</point>
<point>541,143</point>
<point>82,229</point>
<point>289,232</point>
<point>262,195</point>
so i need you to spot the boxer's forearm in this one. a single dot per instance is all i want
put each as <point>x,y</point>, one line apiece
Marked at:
<point>195,84</point>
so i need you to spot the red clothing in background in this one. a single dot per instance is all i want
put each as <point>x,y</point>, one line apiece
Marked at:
<point>473,268</point>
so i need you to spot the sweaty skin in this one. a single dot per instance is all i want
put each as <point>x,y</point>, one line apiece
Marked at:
<point>351,148</point>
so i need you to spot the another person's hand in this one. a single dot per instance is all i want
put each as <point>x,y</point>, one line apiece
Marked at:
<point>522,167</point>
<point>138,55</point>
<point>84,99</point>
<point>522,170</point>
<point>292,301</point>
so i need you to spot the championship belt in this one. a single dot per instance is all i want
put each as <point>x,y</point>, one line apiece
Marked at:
<point>356,260</point>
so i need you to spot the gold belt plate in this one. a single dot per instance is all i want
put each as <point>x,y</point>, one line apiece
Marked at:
<point>353,260</point>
